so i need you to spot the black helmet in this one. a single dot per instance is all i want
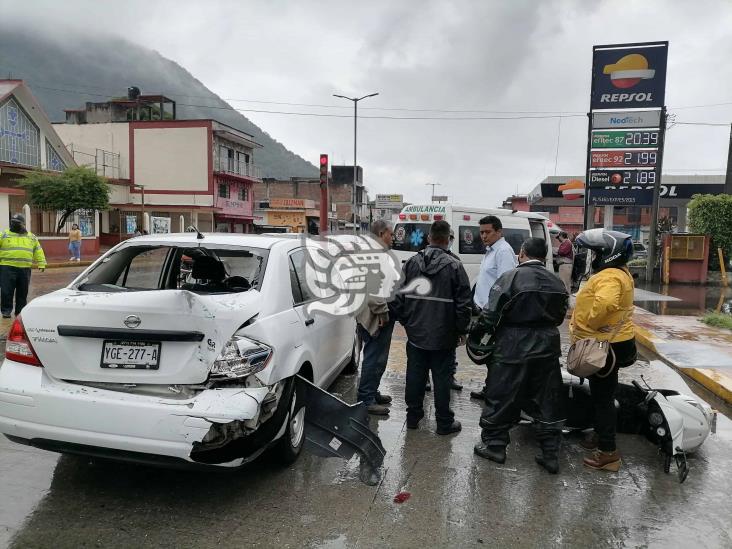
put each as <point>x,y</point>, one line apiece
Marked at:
<point>612,248</point>
<point>480,347</point>
<point>18,218</point>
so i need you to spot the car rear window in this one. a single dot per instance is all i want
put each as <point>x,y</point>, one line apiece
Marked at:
<point>205,270</point>
<point>411,237</point>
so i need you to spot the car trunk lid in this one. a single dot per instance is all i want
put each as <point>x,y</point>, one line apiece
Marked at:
<point>159,336</point>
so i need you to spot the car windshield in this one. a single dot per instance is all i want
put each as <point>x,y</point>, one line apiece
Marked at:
<point>204,270</point>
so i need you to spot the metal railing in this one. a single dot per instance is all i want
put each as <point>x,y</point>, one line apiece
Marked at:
<point>246,169</point>
<point>104,163</point>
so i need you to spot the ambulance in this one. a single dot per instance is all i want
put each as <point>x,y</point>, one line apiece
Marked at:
<point>413,226</point>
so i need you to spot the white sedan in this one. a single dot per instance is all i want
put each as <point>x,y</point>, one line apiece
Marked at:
<point>174,349</point>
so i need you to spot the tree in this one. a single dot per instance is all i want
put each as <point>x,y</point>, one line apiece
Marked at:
<point>74,189</point>
<point>712,215</point>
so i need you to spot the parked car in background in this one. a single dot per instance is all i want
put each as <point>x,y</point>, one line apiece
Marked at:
<point>639,250</point>
<point>174,349</point>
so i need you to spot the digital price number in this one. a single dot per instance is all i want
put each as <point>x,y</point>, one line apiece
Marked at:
<point>624,159</point>
<point>622,178</point>
<point>624,139</point>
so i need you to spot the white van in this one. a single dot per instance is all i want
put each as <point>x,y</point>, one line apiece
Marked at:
<point>410,232</point>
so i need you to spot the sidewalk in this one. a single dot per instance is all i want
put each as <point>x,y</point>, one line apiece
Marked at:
<point>55,262</point>
<point>701,352</point>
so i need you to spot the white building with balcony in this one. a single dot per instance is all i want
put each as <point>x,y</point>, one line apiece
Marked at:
<point>166,174</point>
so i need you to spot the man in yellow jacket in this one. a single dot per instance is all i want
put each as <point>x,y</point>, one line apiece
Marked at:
<point>19,249</point>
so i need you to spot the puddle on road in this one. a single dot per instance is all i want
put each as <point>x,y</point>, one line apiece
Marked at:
<point>685,299</point>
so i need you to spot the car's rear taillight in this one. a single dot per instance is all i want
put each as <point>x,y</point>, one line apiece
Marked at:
<point>18,347</point>
<point>241,357</point>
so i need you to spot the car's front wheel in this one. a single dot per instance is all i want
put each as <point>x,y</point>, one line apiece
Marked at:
<point>288,448</point>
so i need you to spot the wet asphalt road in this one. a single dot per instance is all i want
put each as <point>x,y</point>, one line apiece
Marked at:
<point>457,499</point>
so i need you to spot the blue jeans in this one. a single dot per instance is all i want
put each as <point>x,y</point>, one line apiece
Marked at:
<point>375,357</point>
<point>75,249</point>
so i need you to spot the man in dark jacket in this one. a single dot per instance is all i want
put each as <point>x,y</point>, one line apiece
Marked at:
<point>518,336</point>
<point>435,324</point>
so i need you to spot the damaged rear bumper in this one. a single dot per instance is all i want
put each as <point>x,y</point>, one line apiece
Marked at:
<point>42,411</point>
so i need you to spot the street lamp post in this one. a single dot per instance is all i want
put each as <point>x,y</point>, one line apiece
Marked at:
<point>142,204</point>
<point>355,134</point>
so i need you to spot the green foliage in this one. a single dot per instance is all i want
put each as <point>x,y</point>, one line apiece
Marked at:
<point>637,262</point>
<point>712,215</point>
<point>74,189</point>
<point>718,320</point>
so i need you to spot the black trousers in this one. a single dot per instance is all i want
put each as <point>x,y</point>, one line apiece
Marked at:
<point>603,389</point>
<point>533,385</point>
<point>420,362</point>
<point>13,281</point>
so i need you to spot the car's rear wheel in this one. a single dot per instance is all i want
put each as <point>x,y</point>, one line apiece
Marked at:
<point>288,448</point>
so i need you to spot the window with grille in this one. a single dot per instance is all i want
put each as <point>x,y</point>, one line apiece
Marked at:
<point>687,247</point>
<point>223,190</point>
<point>19,136</point>
<point>53,160</point>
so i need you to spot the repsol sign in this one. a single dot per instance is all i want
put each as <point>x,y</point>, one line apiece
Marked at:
<point>629,76</point>
<point>667,191</point>
<point>624,97</point>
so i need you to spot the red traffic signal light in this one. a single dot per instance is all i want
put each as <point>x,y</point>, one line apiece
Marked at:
<point>323,169</point>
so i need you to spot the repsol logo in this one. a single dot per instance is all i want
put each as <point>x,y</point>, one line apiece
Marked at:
<point>613,257</point>
<point>623,97</point>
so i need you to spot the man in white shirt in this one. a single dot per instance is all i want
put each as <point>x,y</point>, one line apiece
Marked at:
<point>499,258</point>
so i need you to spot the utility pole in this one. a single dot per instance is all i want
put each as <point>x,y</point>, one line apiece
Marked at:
<point>652,247</point>
<point>355,138</point>
<point>433,185</point>
<point>728,176</point>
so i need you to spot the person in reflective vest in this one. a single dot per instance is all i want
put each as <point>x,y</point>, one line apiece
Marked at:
<point>19,250</point>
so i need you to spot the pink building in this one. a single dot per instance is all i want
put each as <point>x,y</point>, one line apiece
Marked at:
<point>168,174</point>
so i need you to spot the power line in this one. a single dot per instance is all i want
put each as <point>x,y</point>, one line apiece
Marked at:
<point>720,124</point>
<point>510,115</point>
<point>291,104</point>
<point>703,106</point>
<point>326,115</point>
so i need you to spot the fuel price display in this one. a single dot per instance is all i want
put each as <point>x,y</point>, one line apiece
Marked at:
<point>623,159</point>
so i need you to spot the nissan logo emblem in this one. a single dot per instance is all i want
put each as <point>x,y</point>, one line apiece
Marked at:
<point>133,321</point>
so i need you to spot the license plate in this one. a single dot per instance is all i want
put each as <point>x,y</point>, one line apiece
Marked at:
<point>131,355</point>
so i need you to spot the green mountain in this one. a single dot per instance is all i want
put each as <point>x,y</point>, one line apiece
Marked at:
<point>65,69</point>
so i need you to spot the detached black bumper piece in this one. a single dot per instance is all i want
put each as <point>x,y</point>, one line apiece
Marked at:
<point>334,428</point>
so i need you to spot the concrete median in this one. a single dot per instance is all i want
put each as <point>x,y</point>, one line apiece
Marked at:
<point>700,352</point>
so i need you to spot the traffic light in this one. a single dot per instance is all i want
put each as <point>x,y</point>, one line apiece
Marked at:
<point>323,169</point>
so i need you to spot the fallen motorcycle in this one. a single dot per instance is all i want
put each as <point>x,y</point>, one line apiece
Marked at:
<point>678,423</point>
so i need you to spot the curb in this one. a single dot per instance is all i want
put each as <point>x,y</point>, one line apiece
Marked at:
<point>718,384</point>
<point>64,264</point>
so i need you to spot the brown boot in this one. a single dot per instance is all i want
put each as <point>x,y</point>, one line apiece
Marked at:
<point>608,461</point>
<point>590,442</point>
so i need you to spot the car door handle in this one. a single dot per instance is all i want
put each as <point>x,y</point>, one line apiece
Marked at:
<point>309,321</point>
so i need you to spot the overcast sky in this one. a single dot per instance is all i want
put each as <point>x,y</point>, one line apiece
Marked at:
<point>508,56</point>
